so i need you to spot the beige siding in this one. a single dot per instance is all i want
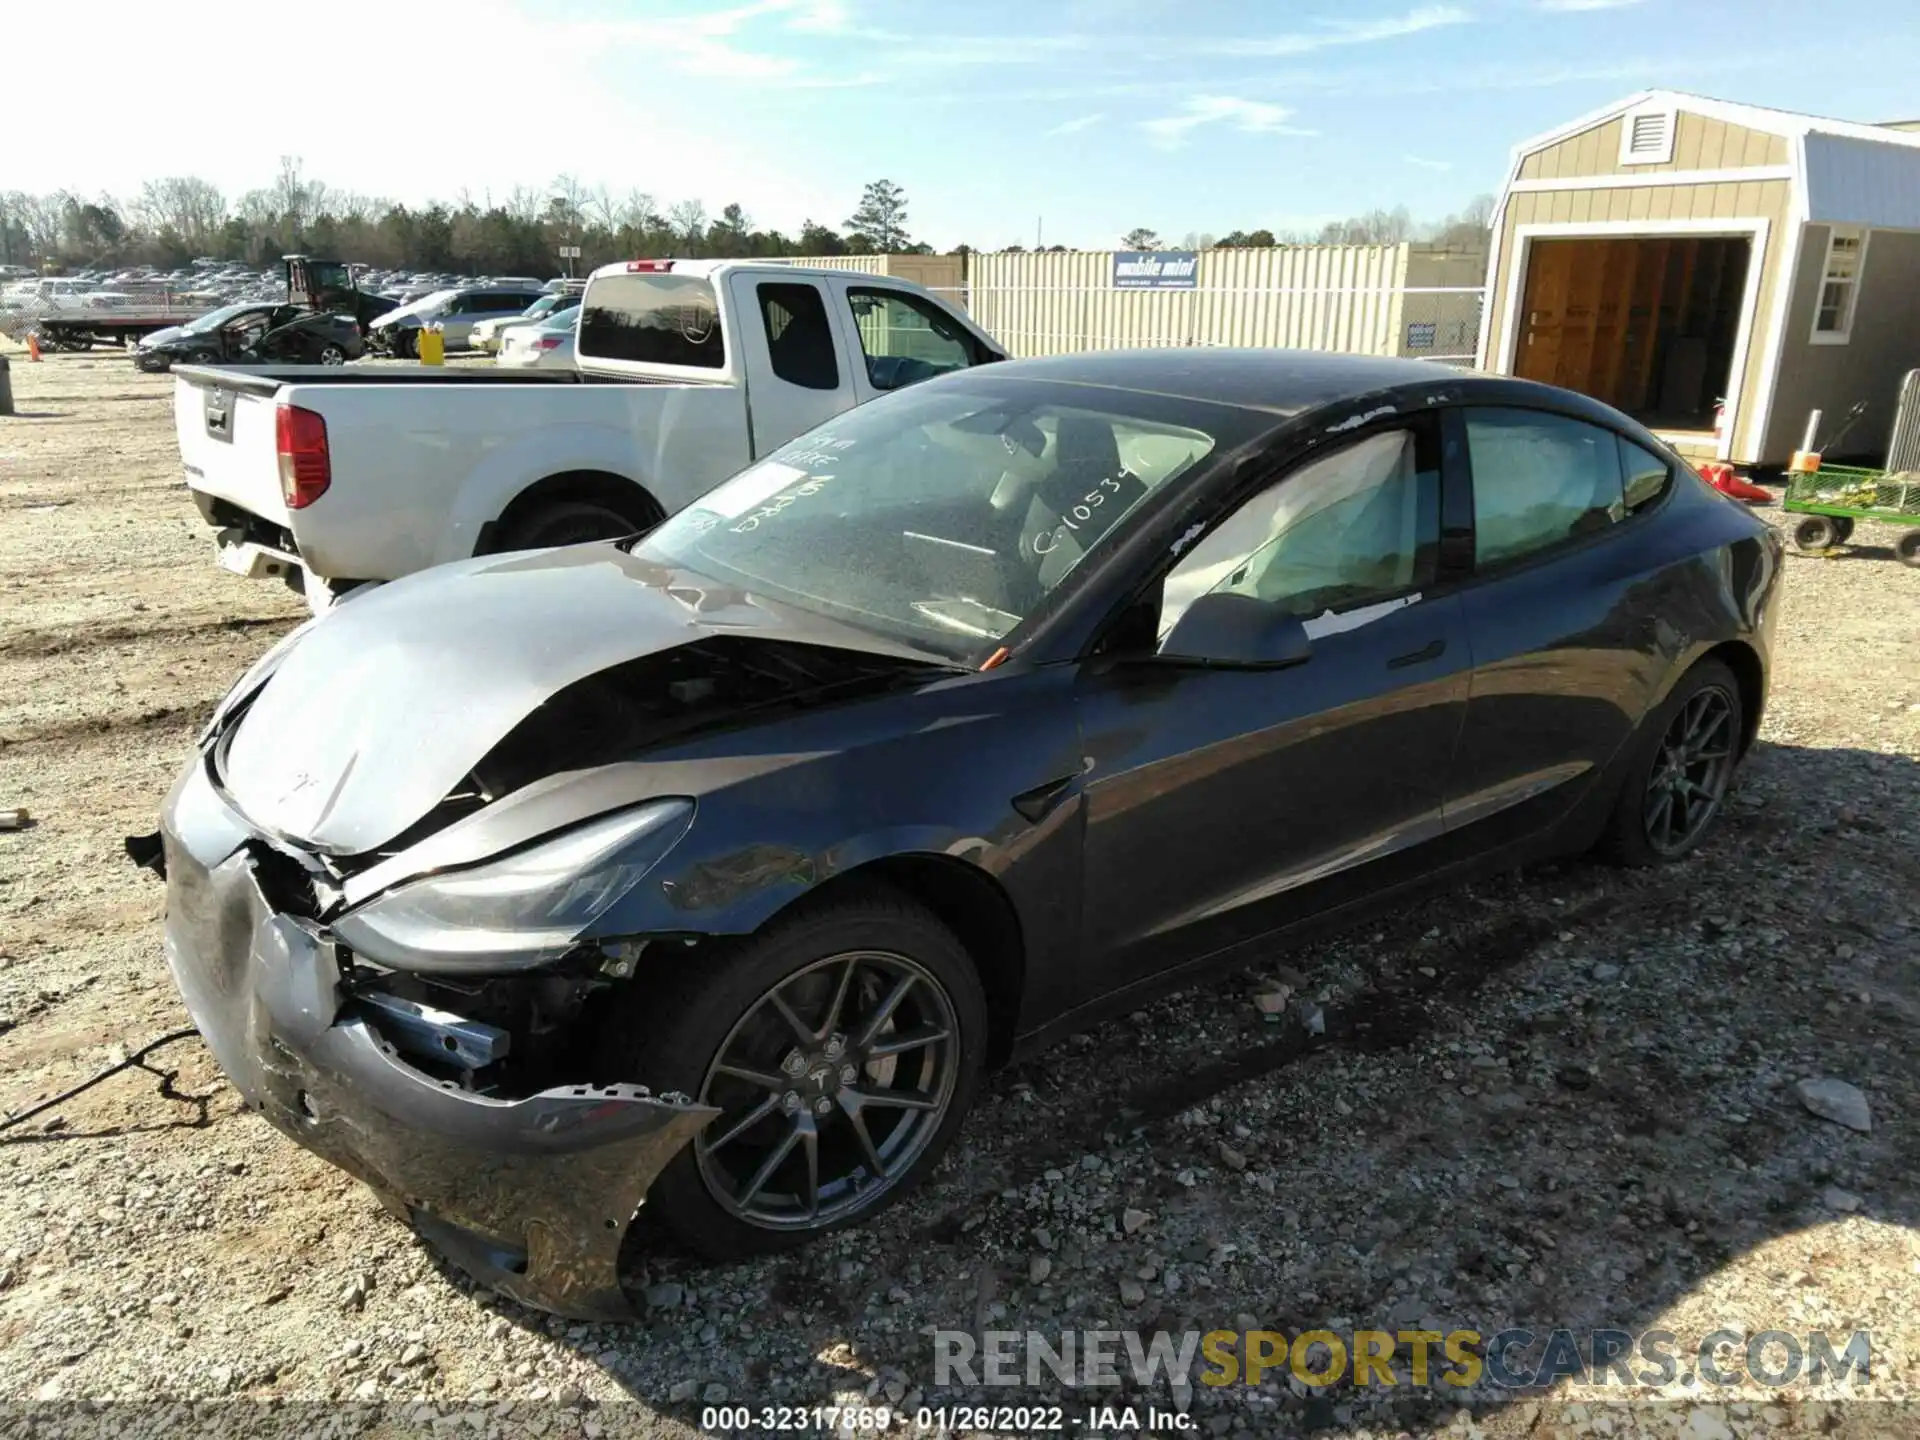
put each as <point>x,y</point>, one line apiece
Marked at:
<point>1881,349</point>
<point>1767,200</point>
<point>1320,297</point>
<point>1699,143</point>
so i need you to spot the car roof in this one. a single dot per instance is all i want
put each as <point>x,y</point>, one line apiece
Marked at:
<point>1283,382</point>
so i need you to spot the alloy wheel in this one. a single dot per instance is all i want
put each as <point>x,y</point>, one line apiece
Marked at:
<point>1690,771</point>
<point>333,355</point>
<point>831,1087</point>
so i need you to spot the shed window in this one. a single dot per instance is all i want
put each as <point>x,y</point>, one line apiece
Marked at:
<point>1839,286</point>
<point>1646,137</point>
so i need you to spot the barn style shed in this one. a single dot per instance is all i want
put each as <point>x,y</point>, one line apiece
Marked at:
<point>1715,270</point>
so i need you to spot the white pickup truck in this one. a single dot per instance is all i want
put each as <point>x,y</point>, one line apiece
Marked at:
<point>331,478</point>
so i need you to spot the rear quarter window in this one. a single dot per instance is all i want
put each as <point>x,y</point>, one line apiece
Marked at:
<point>652,320</point>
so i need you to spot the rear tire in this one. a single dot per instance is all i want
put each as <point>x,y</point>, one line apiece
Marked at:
<point>567,522</point>
<point>874,1137</point>
<point>1907,547</point>
<point>332,355</point>
<point>1681,763</point>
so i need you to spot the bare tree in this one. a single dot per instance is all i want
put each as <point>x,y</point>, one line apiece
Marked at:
<point>639,211</point>
<point>1140,238</point>
<point>524,204</point>
<point>289,195</point>
<point>688,220</point>
<point>188,206</point>
<point>568,199</point>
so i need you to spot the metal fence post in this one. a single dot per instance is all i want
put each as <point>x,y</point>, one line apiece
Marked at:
<point>6,387</point>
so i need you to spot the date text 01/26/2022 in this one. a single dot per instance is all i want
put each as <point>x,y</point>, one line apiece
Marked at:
<point>852,1420</point>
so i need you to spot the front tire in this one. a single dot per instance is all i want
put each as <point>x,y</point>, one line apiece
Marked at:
<point>1683,761</point>
<point>567,522</point>
<point>843,1048</point>
<point>1907,547</point>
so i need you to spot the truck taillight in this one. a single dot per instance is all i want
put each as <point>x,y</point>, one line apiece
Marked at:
<point>547,342</point>
<point>306,469</point>
<point>648,266</point>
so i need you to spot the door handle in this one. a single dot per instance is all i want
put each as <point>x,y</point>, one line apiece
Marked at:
<point>1432,650</point>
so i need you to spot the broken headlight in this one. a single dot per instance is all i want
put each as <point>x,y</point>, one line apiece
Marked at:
<point>522,909</point>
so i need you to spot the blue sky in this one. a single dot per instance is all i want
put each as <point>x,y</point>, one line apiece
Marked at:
<point>1088,116</point>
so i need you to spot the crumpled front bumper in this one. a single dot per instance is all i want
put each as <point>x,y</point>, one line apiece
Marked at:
<point>531,1197</point>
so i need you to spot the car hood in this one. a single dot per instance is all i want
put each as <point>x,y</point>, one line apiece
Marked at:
<point>381,709</point>
<point>157,338</point>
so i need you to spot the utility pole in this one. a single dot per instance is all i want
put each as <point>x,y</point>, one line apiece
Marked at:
<point>1038,233</point>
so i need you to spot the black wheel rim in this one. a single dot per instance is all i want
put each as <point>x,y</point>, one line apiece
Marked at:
<point>1691,770</point>
<point>831,1087</point>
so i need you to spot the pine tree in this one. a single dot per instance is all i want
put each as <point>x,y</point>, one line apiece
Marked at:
<point>881,219</point>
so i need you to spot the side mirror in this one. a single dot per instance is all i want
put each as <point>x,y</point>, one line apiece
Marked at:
<point>1238,631</point>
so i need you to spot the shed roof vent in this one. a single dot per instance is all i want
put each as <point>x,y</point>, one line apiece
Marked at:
<point>1646,138</point>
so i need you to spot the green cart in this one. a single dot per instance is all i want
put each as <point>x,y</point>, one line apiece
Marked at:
<point>1834,496</point>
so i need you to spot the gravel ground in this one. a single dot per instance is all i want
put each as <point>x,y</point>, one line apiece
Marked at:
<point>1567,1098</point>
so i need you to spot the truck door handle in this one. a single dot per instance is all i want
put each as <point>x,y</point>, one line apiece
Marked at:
<point>1432,650</point>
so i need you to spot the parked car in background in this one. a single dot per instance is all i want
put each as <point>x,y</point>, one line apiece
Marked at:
<point>253,334</point>
<point>486,335</point>
<point>723,860</point>
<point>468,308</point>
<point>548,345</point>
<point>453,312</point>
<point>688,370</point>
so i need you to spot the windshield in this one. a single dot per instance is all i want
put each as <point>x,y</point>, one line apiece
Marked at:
<point>214,319</point>
<point>942,516</point>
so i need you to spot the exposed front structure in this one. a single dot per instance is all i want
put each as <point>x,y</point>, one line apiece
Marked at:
<point>1714,270</point>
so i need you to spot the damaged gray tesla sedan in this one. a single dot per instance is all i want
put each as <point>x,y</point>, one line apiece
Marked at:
<point>707,869</point>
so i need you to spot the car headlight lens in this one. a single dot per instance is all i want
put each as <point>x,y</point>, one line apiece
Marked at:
<point>523,909</point>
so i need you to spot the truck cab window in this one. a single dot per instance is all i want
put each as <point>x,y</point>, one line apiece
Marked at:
<point>905,340</point>
<point>799,337</point>
<point>659,319</point>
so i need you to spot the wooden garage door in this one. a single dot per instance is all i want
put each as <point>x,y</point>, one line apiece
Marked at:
<point>1607,317</point>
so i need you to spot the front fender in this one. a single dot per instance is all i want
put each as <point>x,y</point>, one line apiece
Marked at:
<point>509,469</point>
<point>736,891</point>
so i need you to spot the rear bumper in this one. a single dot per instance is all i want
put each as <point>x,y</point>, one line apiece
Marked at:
<point>531,1197</point>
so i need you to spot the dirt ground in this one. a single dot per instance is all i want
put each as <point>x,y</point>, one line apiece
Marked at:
<point>1564,1099</point>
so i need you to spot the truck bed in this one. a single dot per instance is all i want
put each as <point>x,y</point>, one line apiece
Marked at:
<point>267,379</point>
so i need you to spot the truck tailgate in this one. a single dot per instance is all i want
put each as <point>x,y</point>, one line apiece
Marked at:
<point>224,423</point>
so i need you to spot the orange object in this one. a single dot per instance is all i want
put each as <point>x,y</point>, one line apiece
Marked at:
<point>996,658</point>
<point>1804,462</point>
<point>33,346</point>
<point>1719,474</point>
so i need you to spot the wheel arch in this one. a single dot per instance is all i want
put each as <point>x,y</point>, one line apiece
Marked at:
<point>626,497</point>
<point>1744,661</point>
<point>969,902</point>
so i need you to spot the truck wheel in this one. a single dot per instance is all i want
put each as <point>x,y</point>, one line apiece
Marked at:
<point>568,522</point>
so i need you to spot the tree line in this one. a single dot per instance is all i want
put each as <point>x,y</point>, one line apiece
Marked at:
<point>1465,229</point>
<point>180,218</point>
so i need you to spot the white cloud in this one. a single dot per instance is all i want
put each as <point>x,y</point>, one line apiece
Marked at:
<point>1169,132</point>
<point>1346,32</point>
<point>1426,164</point>
<point>1077,124</point>
<point>1569,6</point>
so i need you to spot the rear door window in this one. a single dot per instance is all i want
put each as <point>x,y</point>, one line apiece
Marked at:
<point>1539,480</point>
<point>1644,473</point>
<point>799,336</point>
<point>657,319</point>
